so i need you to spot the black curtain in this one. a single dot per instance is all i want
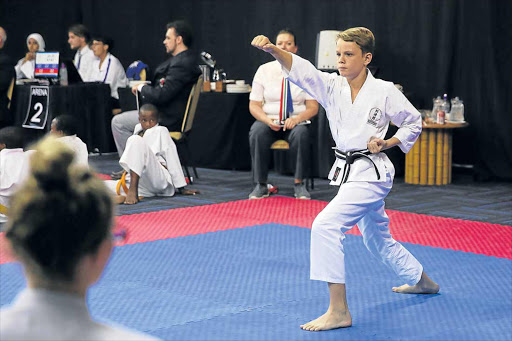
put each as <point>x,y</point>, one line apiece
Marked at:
<point>457,47</point>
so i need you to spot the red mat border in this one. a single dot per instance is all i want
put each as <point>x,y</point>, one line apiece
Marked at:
<point>456,234</point>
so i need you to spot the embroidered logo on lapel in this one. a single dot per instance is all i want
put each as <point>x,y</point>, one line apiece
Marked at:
<point>374,116</point>
<point>162,81</point>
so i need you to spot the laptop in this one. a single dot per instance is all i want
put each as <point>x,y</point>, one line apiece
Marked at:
<point>48,65</point>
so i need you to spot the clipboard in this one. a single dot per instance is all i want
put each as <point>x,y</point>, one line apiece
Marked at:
<point>281,123</point>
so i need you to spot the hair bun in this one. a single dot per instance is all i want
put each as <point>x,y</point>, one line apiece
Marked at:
<point>50,164</point>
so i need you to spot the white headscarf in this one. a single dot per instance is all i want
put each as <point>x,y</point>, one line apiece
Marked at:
<point>39,39</point>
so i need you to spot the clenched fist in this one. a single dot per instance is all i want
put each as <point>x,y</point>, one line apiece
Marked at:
<point>376,145</point>
<point>263,43</point>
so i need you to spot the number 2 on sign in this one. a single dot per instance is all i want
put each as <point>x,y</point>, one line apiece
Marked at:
<point>39,109</point>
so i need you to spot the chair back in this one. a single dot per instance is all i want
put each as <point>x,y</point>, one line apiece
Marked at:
<point>142,75</point>
<point>9,92</point>
<point>190,111</point>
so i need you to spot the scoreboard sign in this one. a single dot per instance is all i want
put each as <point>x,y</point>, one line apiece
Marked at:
<point>37,113</point>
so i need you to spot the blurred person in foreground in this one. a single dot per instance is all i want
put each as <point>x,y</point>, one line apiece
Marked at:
<point>59,228</point>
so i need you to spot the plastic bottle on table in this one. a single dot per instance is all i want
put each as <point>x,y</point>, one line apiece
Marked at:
<point>63,74</point>
<point>446,106</point>
<point>437,105</point>
<point>457,112</point>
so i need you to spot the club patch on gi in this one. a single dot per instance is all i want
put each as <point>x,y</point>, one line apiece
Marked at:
<point>374,116</point>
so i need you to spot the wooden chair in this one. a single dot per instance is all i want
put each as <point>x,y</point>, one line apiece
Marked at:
<point>284,145</point>
<point>9,92</point>
<point>180,137</point>
<point>142,74</point>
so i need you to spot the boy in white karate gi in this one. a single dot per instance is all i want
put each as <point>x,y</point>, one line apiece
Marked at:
<point>151,160</point>
<point>13,165</point>
<point>359,108</point>
<point>64,127</point>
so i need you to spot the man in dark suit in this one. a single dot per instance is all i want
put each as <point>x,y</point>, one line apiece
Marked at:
<point>169,89</point>
<point>6,76</point>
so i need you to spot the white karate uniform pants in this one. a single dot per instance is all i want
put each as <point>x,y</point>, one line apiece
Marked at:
<point>154,179</point>
<point>360,203</point>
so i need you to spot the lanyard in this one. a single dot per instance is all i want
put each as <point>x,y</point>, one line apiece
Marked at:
<point>108,68</point>
<point>286,100</point>
<point>79,59</point>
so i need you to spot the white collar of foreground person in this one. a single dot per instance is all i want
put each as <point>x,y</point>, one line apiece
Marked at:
<point>42,314</point>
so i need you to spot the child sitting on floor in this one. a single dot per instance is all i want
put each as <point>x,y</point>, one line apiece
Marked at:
<point>151,161</point>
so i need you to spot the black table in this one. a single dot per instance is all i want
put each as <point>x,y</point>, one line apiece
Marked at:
<point>220,135</point>
<point>89,103</point>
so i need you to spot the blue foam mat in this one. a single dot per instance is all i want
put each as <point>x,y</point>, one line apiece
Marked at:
<point>253,284</point>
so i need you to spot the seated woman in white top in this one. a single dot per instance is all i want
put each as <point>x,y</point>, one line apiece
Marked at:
<point>107,68</point>
<point>25,66</point>
<point>60,229</point>
<point>274,99</point>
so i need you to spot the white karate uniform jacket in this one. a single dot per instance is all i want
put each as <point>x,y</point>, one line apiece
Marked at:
<point>14,167</point>
<point>79,147</point>
<point>353,124</point>
<point>145,156</point>
<point>83,62</point>
<point>111,73</point>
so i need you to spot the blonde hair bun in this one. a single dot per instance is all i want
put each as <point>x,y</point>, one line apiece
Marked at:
<point>50,164</point>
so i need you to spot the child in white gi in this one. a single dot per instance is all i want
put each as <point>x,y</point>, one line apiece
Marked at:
<point>359,108</point>
<point>151,159</point>
<point>64,127</point>
<point>13,165</point>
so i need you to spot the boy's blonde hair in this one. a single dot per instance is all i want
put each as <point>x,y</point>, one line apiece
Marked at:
<point>362,36</point>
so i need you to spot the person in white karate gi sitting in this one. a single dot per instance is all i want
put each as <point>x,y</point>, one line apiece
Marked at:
<point>13,165</point>
<point>151,160</point>
<point>64,127</point>
<point>59,228</point>
<point>359,108</point>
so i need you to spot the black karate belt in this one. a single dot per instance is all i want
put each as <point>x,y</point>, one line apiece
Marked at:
<point>350,157</point>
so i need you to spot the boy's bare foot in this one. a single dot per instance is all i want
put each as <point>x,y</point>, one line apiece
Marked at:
<point>131,198</point>
<point>424,286</point>
<point>329,320</point>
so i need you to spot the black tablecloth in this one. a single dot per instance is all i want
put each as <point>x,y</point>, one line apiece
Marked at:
<point>220,135</point>
<point>89,103</point>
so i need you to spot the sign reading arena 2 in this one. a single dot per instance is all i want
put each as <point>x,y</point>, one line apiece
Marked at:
<point>37,113</point>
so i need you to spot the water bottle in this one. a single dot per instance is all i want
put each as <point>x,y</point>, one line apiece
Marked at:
<point>437,106</point>
<point>63,74</point>
<point>446,106</point>
<point>457,112</point>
